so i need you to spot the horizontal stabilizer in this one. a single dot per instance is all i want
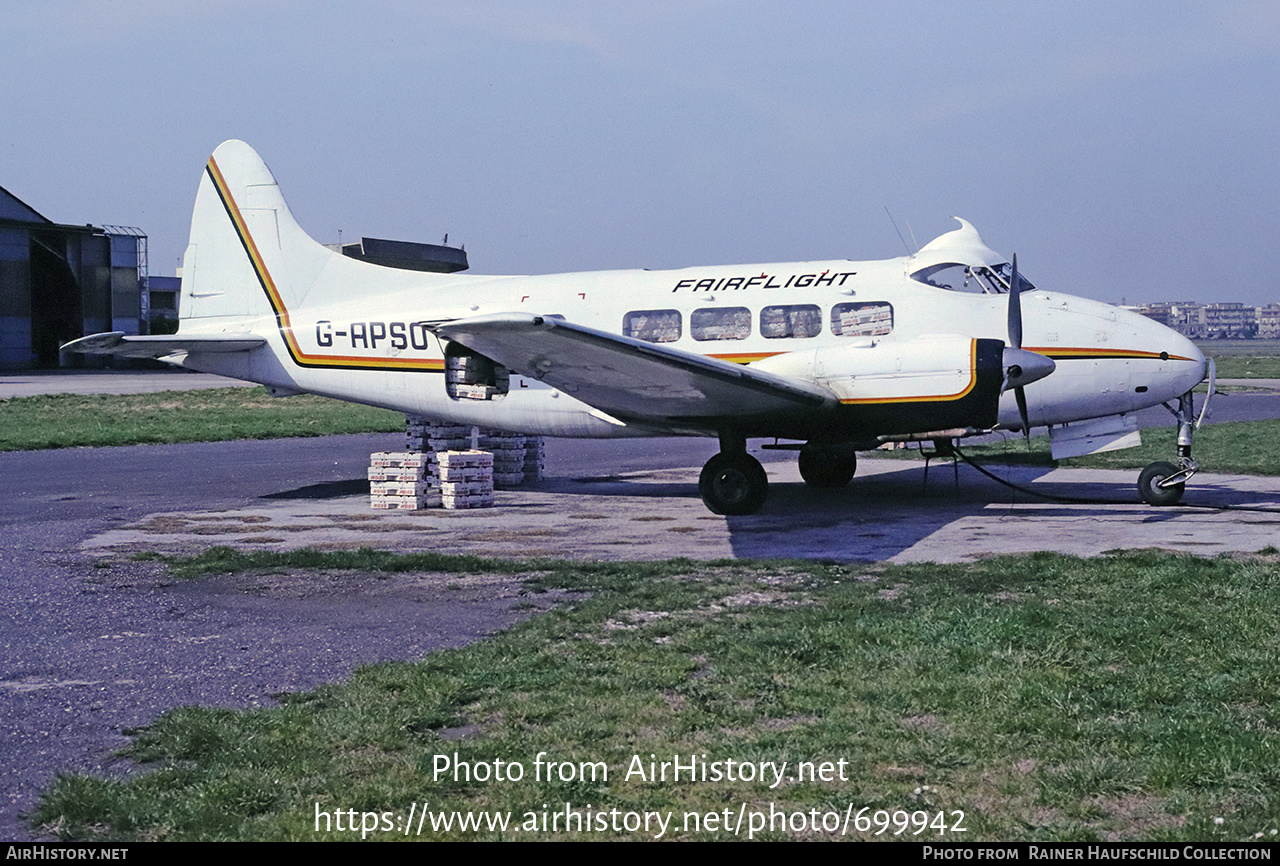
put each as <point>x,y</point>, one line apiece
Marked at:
<point>121,345</point>
<point>628,378</point>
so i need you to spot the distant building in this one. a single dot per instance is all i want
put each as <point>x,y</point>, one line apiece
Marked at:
<point>1158,312</point>
<point>163,293</point>
<point>1187,317</point>
<point>59,282</point>
<point>1269,322</point>
<point>1222,321</point>
<point>1229,320</point>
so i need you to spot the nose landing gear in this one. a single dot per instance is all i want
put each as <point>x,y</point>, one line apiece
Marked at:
<point>1164,483</point>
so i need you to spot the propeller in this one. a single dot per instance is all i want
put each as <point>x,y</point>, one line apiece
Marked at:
<point>1021,367</point>
<point>1015,307</point>
<point>1015,340</point>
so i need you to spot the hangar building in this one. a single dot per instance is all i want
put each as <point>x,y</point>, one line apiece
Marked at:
<point>59,282</point>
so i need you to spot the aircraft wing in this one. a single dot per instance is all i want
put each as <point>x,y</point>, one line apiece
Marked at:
<point>158,345</point>
<point>632,379</point>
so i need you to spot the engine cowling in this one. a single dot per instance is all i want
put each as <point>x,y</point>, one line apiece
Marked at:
<point>927,383</point>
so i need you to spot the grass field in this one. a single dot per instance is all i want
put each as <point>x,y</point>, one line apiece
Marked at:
<point>70,420</point>
<point>1128,697</point>
<point>1244,359</point>
<point>1244,367</point>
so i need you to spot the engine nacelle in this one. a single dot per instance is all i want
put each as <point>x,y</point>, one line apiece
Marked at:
<point>929,383</point>
<point>941,367</point>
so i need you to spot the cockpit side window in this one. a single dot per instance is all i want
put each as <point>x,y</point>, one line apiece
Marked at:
<point>1003,272</point>
<point>979,279</point>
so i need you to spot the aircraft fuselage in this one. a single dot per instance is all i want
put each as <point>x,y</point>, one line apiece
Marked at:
<point>378,348</point>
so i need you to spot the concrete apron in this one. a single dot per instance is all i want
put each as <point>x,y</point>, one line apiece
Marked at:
<point>888,513</point>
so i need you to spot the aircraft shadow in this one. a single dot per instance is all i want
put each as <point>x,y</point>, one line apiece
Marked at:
<point>874,518</point>
<point>620,485</point>
<point>879,516</point>
<point>324,490</point>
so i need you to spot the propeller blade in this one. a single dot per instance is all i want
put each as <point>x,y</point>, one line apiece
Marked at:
<point>1015,307</point>
<point>1015,372</point>
<point>1021,395</point>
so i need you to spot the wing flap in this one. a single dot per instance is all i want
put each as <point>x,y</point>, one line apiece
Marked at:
<point>123,345</point>
<point>631,379</point>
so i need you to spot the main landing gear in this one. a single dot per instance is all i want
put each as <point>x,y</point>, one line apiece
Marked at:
<point>827,466</point>
<point>733,482</point>
<point>1164,483</point>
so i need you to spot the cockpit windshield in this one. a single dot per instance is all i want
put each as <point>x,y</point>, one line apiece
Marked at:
<point>979,279</point>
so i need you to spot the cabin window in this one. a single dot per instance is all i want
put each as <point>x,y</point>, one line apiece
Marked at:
<point>720,323</point>
<point>791,320</point>
<point>873,319</point>
<point>652,326</point>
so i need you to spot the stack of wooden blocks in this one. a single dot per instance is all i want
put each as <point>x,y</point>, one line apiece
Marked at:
<point>423,435</point>
<point>534,458</point>
<point>458,466</point>
<point>508,458</point>
<point>404,481</point>
<point>466,479</point>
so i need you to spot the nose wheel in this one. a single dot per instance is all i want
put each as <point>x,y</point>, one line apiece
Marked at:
<point>1160,484</point>
<point>732,483</point>
<point>1164,483</point>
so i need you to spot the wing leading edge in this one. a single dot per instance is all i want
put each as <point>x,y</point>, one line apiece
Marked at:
<point>634,380</point>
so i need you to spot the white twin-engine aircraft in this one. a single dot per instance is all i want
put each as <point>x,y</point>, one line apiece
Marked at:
<point>838,355</point>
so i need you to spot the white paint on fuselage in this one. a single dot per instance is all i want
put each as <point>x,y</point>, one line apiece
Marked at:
<point>343,292</point>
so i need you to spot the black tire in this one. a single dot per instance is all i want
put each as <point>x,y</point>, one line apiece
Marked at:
<point>733,483</point>
<point>827,467</point>
<point>1149,485</point>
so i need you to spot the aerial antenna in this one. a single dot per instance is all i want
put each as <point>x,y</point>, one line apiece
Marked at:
<point>899,231</point>
<point>913,236</point>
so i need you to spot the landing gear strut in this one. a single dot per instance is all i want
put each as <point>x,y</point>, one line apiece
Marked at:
<point>827,466</point>
<point>733,482</point>
<point>1163,483</point>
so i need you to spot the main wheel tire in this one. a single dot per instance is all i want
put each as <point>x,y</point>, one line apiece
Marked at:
<point>1149,485</point>
<point>827,467</point>
<point>733,483</point>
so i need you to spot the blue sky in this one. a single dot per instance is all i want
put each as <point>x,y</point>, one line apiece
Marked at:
<point>1121,149</point>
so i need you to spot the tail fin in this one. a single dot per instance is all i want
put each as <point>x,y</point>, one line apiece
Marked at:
<point>247,255</point>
